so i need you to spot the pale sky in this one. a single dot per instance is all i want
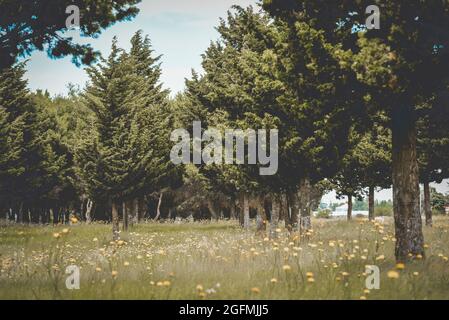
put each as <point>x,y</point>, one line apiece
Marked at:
<point>180,30</point>
<point>385,194</point>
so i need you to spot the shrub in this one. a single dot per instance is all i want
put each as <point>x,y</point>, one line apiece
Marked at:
<point>324,214</point>
<point>383,211</point>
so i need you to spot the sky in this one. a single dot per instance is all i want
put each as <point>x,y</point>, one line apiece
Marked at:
<point>385,194</point>
<point>180,30</point>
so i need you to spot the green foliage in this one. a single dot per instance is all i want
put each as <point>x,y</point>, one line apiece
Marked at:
<point>124,153</point>
<point>26,26</point>
<point>324,214</point>
<point>438,201</point>
<point>383,208</point>
<point>36,164</point>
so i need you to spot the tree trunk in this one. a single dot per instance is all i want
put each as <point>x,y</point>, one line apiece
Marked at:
<point>55,214</point>
<point>427,206</point>
<point>142,209</point>
<point>284,214</point>
<point>246,219</point>
<point>407,217</point>
<point>125,216</point>
<point>89,207</point>
<point>261,220</point>
<point>115,222</point>
<point>275,212</point>
<point>20,215</point>
<point>158,212</point>
<point>232,210</point>
<point>349,207</point>
<point>82,215</point>
<point>240,211</point>
<point>295,209</point>
<point>135,212</point>
<point>213,212</point>
<point>371,203</point>
<point>305,223</point>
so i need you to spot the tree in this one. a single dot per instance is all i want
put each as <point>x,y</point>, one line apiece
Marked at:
<point>318,101</point>
<point>26,26</point>
<point>348,180</point>
<point>127,154</point>
<point>225,98</point>
<point>285,76</point>
<point>35,164</point>
<point>405,61</point>
<point>366,165</point>
<point>433,149</point>
<point>375,158</point>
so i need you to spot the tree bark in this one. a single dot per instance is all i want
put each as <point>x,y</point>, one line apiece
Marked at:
<point>295,208</point>
<point>371,203</point>
<point>232,210</point>
<point>20,215</point>
<point>407,217</point>
<point>142,209</point>
<point>349,207</point>
<point>246,218</point>
<point>125,216</point>
<point>135,212</point>
<point>213,212</point>
<point>261,220</point>
<point>89,207</point>
<point>158,210</point>
<point>275,212</point>
<point>427,206</point>
<point>284,214</point>
<point>305,223</point>
<point>115,222</point>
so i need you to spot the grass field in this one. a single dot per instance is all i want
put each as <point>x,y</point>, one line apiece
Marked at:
<point>218,260</point>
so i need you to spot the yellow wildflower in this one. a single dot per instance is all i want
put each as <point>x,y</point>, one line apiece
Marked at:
<point>393,274</point>
<point>400,266</point>
<point>255,290</point>
<point>286,267</point>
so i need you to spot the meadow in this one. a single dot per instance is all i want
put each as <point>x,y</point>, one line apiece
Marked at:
<point>218,260</point>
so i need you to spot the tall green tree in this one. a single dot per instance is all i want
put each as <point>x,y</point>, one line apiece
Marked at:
<point>126,155</point>
<point>433,148</point>
<point>34,160</point>
<point>405,61</point>
<point>225,98</point>
<point>366,166</point>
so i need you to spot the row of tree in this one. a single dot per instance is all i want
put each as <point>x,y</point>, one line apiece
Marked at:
<point>356,110</point>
